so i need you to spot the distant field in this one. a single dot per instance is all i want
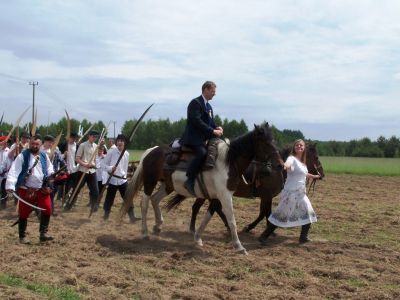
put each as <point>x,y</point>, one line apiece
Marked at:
<point>361,166</point>
<point>343,165</point>
<point>135,154</point>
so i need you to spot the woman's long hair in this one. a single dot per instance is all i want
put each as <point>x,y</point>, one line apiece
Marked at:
<point>304,155</point>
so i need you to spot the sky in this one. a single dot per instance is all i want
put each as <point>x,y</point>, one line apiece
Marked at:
<point>330,69</point>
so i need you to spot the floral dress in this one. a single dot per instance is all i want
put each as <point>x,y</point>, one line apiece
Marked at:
<point>294,208</point>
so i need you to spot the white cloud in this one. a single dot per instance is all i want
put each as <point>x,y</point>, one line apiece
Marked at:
<point>327,62</point>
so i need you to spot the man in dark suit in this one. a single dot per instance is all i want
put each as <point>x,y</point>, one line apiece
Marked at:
<point>200,127</point>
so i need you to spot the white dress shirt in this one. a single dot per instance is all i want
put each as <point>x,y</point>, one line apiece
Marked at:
<point>122,168</point>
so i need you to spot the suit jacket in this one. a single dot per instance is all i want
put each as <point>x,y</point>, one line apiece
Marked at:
<point>200,123</point>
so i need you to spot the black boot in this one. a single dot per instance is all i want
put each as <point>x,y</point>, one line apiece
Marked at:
<point>267,232</point>
<point>106,215</point>
<point>22,223</point>
<point>43,227</point>
<point>304,234</point>
<point>131,214</point>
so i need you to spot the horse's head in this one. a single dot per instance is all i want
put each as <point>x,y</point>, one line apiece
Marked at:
<point>265,149</point>
<point>314,165</point>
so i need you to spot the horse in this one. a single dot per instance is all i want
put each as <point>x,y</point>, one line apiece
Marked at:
<point>265,180</point>
<point>220,182</point>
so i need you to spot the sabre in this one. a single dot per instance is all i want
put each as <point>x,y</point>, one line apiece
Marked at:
<point>135,127</point>
<point>27,203</point>
<point>2,116</point>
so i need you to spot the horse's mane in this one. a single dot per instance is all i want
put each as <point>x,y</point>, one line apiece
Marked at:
<point>244,144</point>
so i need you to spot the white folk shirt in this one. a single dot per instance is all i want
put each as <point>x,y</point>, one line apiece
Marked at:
<point>71,165</point>
<point>122,168</point>
<point>5,163</point>
<point>100,173</point>
<point>35,180</point>
<point>85,153</point>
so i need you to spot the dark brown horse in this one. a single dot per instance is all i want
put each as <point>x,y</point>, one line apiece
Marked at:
<point>264,180</point>
<point>221,181</point>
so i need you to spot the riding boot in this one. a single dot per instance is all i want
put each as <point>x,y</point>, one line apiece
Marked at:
<point>22,223</point>
<point>211,154</point>
<point>267,232</point>
<point>43,227</point>
<point>131,214</point>
<point>304,234</point>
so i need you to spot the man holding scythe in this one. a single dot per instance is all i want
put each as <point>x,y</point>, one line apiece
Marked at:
<point>27,175</point>
<point>118,173</point>
<point>86,158</point>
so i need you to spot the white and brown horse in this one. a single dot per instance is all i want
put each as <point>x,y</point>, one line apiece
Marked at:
<point>220,182</point>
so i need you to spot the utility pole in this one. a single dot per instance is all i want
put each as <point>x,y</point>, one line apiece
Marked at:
<point>33,84</point>
<point>114,130</point>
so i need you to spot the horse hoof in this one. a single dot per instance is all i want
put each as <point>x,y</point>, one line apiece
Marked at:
<point>246,229</point>
<point>243,251</point>
<point>199,242</point>
<point>156,230</point>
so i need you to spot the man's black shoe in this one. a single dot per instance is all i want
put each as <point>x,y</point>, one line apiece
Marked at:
<point>189,186</point>
<point>44,237</point>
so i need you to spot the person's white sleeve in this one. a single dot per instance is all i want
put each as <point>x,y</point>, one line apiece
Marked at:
<point>15,170</point>
<point>107,161</point>
<point>50,168</point>
<point>290,163</point>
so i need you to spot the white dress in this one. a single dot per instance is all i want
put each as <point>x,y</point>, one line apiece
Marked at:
<point>294,208</point>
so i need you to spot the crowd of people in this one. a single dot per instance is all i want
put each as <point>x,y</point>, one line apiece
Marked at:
<point>36,172</point>
<point>27,166</point>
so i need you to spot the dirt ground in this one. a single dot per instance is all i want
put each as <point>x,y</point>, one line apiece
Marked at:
<point>355,252</point>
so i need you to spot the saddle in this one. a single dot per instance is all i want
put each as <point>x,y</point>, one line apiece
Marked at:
<point>179,156</point>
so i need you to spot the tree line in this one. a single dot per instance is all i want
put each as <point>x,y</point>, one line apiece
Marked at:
<point>164,131</point>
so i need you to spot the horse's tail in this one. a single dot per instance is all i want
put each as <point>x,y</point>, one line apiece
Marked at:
<point>174,202</point>
<point>134,185</point>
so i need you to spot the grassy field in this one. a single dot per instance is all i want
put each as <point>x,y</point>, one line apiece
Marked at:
<point>361,165</point>
<point>343,165</point>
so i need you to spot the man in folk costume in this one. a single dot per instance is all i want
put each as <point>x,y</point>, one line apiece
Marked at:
<point>27,175</point>
<point>86,158</point>
<point>5,164</point>
<point>118,180</point>
<point>69,156</point>
<point>57,160</point>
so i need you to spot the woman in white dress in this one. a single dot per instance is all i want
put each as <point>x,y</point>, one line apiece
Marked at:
<point>294,208</point>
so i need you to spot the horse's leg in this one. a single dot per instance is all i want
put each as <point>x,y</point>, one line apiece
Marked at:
<point>261,215</point>
<point>215,206</point>
<point>195,211</point>
<point>199,231</point>
<point>227,208</point>
<point>155,202</point>
<point>144,205</point>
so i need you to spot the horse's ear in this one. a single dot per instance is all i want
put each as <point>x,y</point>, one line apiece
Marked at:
<point>255,126</point>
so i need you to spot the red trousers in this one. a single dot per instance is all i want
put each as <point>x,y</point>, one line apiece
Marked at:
<point>39,199</point>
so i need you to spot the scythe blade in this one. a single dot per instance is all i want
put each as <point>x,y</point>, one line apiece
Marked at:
<point>16,124</point>
<point>68,125</point>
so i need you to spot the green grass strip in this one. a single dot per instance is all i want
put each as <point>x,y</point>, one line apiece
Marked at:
<point>51,292</point>
<point>361,165</point>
